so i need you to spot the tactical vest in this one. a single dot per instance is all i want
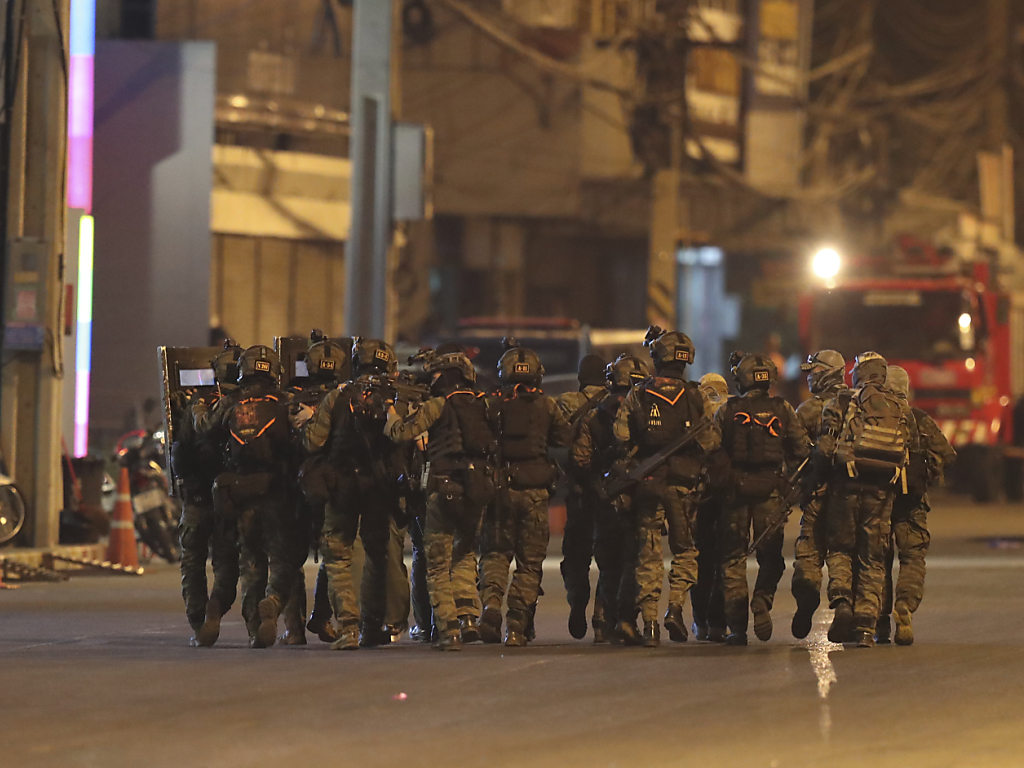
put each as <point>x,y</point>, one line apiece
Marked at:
<point>355,432</point>
<point>525,423</point>
<point>462,430</point>
<point>258,430</point>
<point>666,413</point>
<point>758,428</point>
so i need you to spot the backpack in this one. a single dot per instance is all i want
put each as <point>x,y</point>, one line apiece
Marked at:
<point>875,435</point>
<point>255,426</point>
<point>758,431</point>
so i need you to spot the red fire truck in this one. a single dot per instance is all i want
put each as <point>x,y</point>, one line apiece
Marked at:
<point>956,332</point>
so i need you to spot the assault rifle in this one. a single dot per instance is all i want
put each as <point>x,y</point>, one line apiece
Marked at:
<point>794,490</point>
<point>615,486</point>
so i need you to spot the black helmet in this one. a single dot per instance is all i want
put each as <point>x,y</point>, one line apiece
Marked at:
<point>868,368</point>
<point>591,371</point>
<point>669,348</point>
<point>451,361</point>
<point>259,361</point>
<point>373,356</point>
<point>825,369</point>
<point>519,365</point>
<point>225,364</point>
<point>626,371</point>
<point>755,372</point>
<point>324,358</point>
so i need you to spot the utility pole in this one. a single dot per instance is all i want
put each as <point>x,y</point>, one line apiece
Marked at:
<point>369,257</point>
<point>35,220</point>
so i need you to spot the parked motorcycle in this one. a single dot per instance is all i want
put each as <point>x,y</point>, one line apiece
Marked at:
<point>156,513</point>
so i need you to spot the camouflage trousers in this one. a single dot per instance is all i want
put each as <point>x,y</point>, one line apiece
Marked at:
<point>857,523</point>
<point>911,538</point>
<point>810,547</point>
<point>740,516</point>
<point>516,526</point>
<point>266,529</point>
<point>654,507</point>
<point>450,538</point>
<point>357,510</point>
<point>202,536</point>
<point>615,550</point>
<point>707,596</point>
<point>578,550</point>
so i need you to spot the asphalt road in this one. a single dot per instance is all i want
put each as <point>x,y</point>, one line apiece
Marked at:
<point>97,672</point>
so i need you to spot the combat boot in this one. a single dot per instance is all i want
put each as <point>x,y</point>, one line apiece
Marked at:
<point>577,619</point>
<point>347,640</point>
<point>762,618</point>
<point>373,636</point>
<point>490,625</point>
<point>469,629</point>
<point>842,623</point>
<point>419,635</point>
<point>450,639</point>
<point>531,623</point>
<point>323,629</point>
<point>675,624</point>
<point>515,629</point>
<point>628,633</point>
<point>736,639</point>
<point>807,601</point>
<point>652,634</point>
<point>883,630</point>
<point>600,632</point>
<point>716,634</point>
<point>864,638</point>
<point>700,631</point>
<point>269,609</point>
<point>904,624</point>
<point>208,633</point>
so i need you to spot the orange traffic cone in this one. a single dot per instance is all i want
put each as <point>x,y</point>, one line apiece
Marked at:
<point>122,549</point>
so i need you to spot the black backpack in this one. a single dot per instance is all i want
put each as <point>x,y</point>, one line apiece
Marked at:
<point>256,426</point>
<point>758,428</point>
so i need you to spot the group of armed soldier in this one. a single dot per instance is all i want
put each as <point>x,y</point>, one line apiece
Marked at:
<point>267,474</point>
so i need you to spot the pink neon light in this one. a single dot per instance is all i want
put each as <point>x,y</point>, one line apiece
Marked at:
<point>81,409</point>
<point>80,131</point>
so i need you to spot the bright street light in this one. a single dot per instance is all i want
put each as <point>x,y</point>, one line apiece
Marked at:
<point>826,263</point>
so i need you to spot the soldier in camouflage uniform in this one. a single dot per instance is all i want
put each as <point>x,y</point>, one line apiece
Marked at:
<point>526,422</point>
<point>580,503</point>
<point>325,360</point>
<point>761,435</point>
<point>862,487</point>
<point>706,596</point>
<point>348,427</point>
<point>826,374</point>
<point>910,534</point>
<point>459,444</point>
<point>197,463</point>
<point>254,488</point>
<point>653,414</point>
<point>593,454</point>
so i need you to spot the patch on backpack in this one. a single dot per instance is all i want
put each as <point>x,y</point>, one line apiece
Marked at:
<point>654,419</point>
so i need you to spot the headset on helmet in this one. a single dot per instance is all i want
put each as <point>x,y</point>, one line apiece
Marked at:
<point>669,347</point>
<point>626,371</point>
<point>519,365</point>
<point>324,357</point>
<point>259,361</point>
<point>373,356</point>
<point>755,372</point>
<point>825,369</point>
<point>225,364</point>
